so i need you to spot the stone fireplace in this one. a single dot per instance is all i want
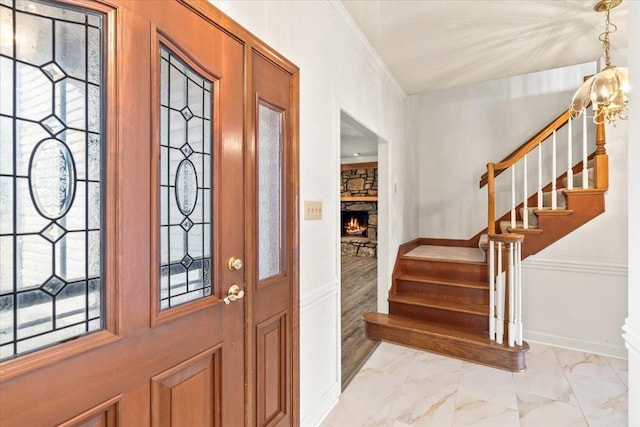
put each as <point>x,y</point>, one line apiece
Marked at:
<point>359,210</point>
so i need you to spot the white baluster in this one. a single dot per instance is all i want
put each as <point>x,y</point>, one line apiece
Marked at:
<point>540,176</point>
<point>585,175</point>
<point>499,298</point>
<point>513,196</point>
<point>554,195</point>
<point>525,211</point>
<point>519,293</point>
<point>492,293</point>
<point>569,157</point>
<point>511,276</point>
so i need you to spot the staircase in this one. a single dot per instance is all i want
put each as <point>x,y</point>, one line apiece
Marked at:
<point>443,293</point>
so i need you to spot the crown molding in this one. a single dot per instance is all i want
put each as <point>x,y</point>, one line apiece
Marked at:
<point>351,29</point>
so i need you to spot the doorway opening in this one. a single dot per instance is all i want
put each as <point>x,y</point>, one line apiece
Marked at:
<point>359,188</point>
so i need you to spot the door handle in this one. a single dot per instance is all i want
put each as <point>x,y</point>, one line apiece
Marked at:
<point>234,263</point>
<point>233,294</point>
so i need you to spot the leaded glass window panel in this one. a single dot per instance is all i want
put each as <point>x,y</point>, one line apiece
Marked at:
<point>185,182</point>
<point>51,145</point>
<point>269,192</point>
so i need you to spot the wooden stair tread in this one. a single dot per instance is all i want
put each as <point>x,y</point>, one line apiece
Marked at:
<point>552,212</point>
<point>525,230</point>
<point>481,310</point>
<point>420,326</point>
<point>585,191</point>
<point>442,282</point>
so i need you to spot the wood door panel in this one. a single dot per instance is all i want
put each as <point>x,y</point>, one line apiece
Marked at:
<point>105,414</point>
<point>272,299</point>
<point>188,395</point>
<point>122,367</point>
<point>272,377</point>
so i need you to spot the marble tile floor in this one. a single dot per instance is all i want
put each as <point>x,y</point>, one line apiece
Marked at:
<point>400,386</point>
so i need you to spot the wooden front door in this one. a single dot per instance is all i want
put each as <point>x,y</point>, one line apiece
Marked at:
<point>149,268</point>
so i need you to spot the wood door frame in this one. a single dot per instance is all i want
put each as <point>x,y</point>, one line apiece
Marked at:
<point>113,210</point>
<point>253,44</point>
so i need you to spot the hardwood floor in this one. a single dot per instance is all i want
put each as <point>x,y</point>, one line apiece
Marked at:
<point>359,294</point>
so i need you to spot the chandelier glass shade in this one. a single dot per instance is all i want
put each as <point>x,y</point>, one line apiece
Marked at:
<point>607,91</point>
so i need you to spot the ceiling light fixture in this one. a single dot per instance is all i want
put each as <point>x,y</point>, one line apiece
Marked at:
<point>608,90</point>
<point>356,154</point>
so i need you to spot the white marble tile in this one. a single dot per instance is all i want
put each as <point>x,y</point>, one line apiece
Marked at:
<point>389,358</point>
<point>400,387</point>
<point>374,389</point>
<point>426,401</point>
<point>425,365</point>
<point>474,412</point>
<point>591,365</point>
<point>621,368</point>
<point>488,384</point>
<point>537,348</point>
<point>604,403</point>
<point>538,411</point>
<point>550,383</point>
<point>355,414</point>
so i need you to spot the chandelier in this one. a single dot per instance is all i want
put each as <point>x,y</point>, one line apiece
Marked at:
<point>608,90</point>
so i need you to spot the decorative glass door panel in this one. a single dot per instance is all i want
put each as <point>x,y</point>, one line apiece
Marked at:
<point>185,182</point>
<point>269,192</point>
<point>51,145</point>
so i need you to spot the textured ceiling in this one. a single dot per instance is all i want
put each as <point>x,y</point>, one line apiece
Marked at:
<point>435,44</point>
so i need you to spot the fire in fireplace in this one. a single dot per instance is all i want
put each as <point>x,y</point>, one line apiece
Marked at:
<point>354,223</point>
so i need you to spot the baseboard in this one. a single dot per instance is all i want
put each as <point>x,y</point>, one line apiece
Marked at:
<point>576,344</point>
<point>320,411</point>
<point>632,337</point>
<point>606,269</point>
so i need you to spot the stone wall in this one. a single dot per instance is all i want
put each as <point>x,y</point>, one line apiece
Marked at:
<point>362,181</point>
<point>359,182</point>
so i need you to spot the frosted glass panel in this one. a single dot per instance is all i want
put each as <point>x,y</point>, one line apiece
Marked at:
<point>185,183</point>
<point>269,192</point>
<point>50,175</point>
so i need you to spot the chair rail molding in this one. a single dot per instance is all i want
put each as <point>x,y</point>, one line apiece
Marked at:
<point>585,267</point>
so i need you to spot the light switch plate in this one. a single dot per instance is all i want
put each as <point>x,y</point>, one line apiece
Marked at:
<point>312,210</point>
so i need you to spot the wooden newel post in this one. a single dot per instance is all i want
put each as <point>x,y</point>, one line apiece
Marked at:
<point>491,202</point>
<point>601,160</point>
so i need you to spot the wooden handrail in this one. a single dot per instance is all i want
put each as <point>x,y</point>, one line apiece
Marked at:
<point>532,143</point>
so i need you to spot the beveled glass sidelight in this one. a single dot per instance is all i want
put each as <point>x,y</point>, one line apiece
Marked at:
<point>269,192</point>
<point>185,182</point>
<point>51,174</point>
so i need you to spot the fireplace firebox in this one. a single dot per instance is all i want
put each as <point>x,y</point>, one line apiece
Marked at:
<point>355,223</point>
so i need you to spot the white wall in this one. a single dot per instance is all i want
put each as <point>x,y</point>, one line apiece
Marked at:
<point>463,128</point>
<point>585,273</point>
<point>337,71</point>
<point>632,326</point>
<point>459,131</point>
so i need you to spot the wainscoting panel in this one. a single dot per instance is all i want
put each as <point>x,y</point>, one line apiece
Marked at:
<point>576,305</point>
<point>319,348</point>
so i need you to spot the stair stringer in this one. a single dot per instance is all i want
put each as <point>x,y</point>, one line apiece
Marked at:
<point>584,204</point>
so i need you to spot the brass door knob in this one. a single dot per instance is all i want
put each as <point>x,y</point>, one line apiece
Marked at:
<point>234,263</point>
<point>233,294</point>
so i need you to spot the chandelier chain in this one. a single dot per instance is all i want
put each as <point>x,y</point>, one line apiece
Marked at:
<point>610,27</point>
